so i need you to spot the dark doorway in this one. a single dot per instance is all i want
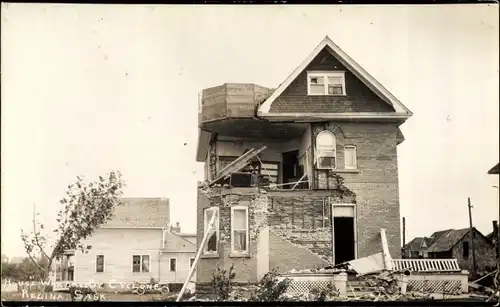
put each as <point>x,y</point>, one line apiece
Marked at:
<point>290,168</point>
<point>71,274</point>
<point>343,229</point>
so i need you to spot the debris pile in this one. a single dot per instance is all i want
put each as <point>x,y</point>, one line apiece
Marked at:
<point>485,286</point>
<point>383,286</point>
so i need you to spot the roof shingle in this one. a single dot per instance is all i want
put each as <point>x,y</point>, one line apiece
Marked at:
<point>417,244</point>
<point>443,241</point>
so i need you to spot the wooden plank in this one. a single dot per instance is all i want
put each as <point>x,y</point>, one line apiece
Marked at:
<point>269,172</point>
<point>240,100</point>
<point>270,166</point>
<point>198,255</point>
<point>214,91</point>
<point>238,164</point>
<point>245,89</point>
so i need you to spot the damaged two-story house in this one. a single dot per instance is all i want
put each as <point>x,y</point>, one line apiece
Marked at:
<point>301,176</point>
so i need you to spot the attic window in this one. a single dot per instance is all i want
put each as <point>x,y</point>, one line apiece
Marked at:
<point>325,83</point>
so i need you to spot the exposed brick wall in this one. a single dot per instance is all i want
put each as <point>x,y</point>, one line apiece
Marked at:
<point>375,184</point>
<point>305,221</point>
<point>212,154</point>
<point>296,218</point>
<point>359,97</point>
<point>246,267</point>
<point>484,252</point>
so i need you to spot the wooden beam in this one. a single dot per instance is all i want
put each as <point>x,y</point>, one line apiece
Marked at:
<point>197,258</point>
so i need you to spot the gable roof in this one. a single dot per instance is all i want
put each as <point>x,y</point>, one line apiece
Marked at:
<point>495,169</point>
<point>418,243</point>
<point>445,240</point>
<point>140,212</point>
<point>491,236</point>
<point>175,243</point>
<point>401,111</point>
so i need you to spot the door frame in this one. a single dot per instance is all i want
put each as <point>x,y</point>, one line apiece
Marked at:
<point>355,226</point>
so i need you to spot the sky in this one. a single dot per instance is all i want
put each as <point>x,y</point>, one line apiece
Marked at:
<point>87,89</point>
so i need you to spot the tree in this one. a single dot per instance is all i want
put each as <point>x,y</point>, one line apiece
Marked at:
<point>87,205</point>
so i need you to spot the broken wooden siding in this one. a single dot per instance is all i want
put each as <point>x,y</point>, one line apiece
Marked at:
<point>484,252</point>
<point>229,149</point>
<point>213,101</point>
<point>231,100</point>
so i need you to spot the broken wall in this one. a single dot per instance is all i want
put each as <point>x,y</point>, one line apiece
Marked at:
<point>374,182</point>
<point>301,223</point>
<point>246,266</point>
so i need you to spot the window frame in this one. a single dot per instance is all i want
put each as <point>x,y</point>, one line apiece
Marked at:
<point>205,225</point>
<point>247,230</point>
<point>325,75</point>
<point>355,158</point>
<point>465,254</point>
<point>103,263</point>
<point>141,257</point>
<point>319,152</point>
<point>170,264</point>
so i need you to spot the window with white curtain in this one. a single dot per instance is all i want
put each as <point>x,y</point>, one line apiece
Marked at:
<point>239,229</point>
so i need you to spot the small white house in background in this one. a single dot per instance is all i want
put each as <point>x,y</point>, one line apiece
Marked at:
<point>136,245</point>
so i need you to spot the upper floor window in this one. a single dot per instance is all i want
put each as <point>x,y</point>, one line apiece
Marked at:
<point>350,157</point>
<point>325,150</point>
<point>213,238</point>
<point>326,83</point>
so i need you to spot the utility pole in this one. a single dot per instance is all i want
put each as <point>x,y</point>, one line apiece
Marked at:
<point>404,238</point>
<point>471,238</point>
<point>498,232</point>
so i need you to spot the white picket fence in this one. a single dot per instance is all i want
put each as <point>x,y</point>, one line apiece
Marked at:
<point>426,265</point>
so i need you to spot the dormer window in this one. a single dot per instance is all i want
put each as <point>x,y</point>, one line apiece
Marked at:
<point>322,83</point>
